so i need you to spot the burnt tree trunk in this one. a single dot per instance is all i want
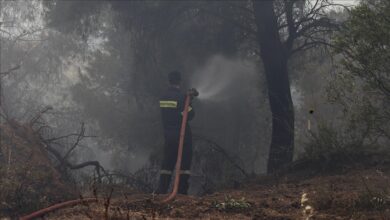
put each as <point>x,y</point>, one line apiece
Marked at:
<point>274,57</point>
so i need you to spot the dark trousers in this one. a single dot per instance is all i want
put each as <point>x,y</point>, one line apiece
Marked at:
<point>169,161</point>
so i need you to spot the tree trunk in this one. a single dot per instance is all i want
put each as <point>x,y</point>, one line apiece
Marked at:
<point>274,59</point>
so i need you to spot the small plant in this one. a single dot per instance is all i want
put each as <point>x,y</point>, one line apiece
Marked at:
<point>373,201</point>
<point>230,204</point>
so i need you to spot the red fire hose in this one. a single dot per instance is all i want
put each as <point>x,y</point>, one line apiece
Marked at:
<point>44,211</point>
<point>180,151</point>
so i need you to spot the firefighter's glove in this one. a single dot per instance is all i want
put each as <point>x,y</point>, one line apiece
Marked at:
<point>193,93</point>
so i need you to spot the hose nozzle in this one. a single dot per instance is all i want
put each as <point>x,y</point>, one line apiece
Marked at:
<point>193,92</point>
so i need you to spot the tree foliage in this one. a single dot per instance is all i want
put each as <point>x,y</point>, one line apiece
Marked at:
<point>364,82</point>
<point>364,43</point>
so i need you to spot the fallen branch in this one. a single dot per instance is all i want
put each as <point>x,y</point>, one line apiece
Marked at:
<point>10,70</point>
<point>63,159</point>
<point>79,138</point>
<point>67,136</point>
<point>67,164</point>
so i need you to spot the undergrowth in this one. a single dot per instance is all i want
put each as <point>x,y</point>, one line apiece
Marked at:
<point>231,204</point>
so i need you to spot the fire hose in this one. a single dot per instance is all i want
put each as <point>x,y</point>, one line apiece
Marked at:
<point>191,93</point>
<point>176,182</point>
<point>52,208</point>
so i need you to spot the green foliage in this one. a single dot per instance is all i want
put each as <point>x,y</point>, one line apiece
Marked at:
<point>332,148</point>
<point>365,42</point>
<point>363,86</point>
<point>231,204</point>
<point>325,147</point>
<point>373,201</point>
<point>323,143</point>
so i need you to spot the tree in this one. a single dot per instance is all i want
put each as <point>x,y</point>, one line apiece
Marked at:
<point>275,65</point>
<point>301,25</point>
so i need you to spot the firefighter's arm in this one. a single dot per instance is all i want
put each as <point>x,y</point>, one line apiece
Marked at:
<point>191,112</point>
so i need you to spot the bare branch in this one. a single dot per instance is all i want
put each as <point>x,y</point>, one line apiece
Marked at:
<point>39,115</point>
<point>10,70</point>
<point>310,43</point>
<point>79,138</point>
<point>6,32</point>
<point>238,24</point>
<point>311,24</point>
<point>218,148</point>
<point>26,33</point>
<point>67,136</point>
<point>67,164</point>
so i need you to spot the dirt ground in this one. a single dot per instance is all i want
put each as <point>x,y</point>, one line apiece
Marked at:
<point>352,195</point>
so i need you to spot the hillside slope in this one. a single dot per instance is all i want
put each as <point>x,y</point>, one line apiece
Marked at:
<point>29,179</point>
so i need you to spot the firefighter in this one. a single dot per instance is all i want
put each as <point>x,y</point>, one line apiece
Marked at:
<point>172,106</point>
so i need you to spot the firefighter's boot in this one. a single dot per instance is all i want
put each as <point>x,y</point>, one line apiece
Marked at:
<point>184,184</point>
<point>165,180</point>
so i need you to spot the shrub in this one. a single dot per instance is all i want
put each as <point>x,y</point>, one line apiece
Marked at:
<point>231,204</point>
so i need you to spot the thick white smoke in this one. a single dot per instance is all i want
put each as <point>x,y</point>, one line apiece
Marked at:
<point>220,75</point>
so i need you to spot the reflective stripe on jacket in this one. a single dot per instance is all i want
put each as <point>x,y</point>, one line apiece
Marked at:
<point>172,106</point>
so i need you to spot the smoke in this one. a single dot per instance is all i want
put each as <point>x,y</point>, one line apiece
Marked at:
<point>220,75</point>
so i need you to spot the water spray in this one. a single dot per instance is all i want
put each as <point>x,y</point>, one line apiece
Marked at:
<point>221,77</point>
